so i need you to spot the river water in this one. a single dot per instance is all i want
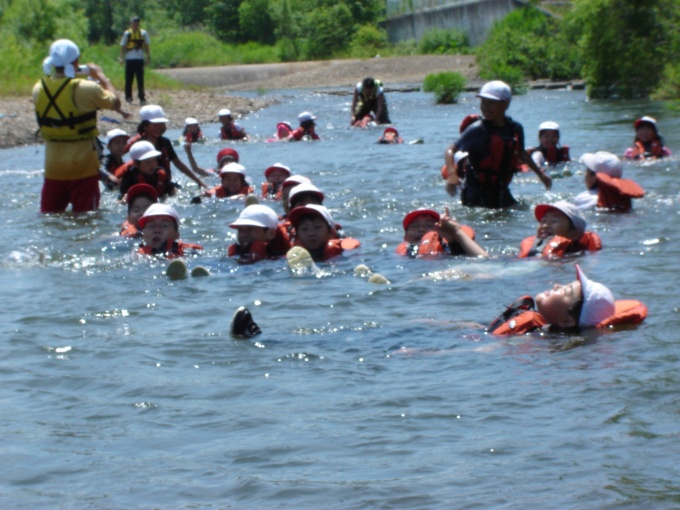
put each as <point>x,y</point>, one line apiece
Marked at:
<point>122,389</point>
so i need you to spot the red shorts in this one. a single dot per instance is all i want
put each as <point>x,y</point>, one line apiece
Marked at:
<point>82,194</point>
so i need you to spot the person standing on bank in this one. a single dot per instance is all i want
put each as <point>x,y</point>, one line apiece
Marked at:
<point>495,147</point>
<point>66,111</point>
<point>134,50</point>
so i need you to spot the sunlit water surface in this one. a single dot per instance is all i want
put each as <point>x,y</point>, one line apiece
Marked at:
<point>122,389</point>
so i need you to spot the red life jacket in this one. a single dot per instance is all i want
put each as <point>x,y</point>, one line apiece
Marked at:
<point>501,162</point>
<point>231,132</point>
<point>127,229</point>
<point>173,249</point>
<point>553,155</point>
<point>301,132</point>
<point>654,149</point>
<point>616,193</point>
<point>269,192</point>
<point>261,250</point>
<point>518,319</point>
<point>433,246</point>
<point>558,246</point>
<point>159,180</point>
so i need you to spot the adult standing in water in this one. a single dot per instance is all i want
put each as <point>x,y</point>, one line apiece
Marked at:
<point>66,111</point>
<point>369,99</point>
<point>134,50</point>
<point>495,147</point>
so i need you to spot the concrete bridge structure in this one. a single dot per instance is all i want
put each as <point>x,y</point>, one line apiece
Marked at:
<point>410,19</point>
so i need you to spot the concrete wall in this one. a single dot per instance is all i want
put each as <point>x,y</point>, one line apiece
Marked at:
<point>475,17</point>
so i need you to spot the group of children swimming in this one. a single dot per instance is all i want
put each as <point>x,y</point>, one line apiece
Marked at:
<point>306,224</point>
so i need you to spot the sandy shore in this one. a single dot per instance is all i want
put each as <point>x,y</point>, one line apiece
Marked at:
<point>18,126</point>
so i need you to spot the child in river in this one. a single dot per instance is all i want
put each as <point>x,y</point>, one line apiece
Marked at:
<point>230,129</point>
<point>316,232</point>
<point>234,183</point>
<point>116,139</point>
<point>549,152</point>
<point>138,198</point>
<point>145,169</point>
<point>581,304</point>
<point>160,233</point>
<point>306,130</point>
<point>276,176</point>
<point>192,131</point>
<point>605,186</point>
<point>428,234</point>
<point>561,231</point>
<point>390,136</point>
<point>648,143</point>
<point>259,235</point>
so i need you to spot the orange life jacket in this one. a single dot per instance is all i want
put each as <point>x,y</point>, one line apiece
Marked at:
<point>518,319</point>
<point>558,246</point>
<point>269,192</point>
<point>261,250</point>
<point>124,168</point>
<point>173,249</point>
<point>159,181</point>
<point>626,311</point>
<point>433,246</point>
<point>653,151</point>
<point>220,192</point>
<point>498,167</point>
<point>616,193</point>
<point>553,155</point>
<point>333,248</point>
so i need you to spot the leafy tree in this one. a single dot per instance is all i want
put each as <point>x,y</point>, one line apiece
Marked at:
<point>256,21</point>
<point>329,30</point>
<point>623,44</point>
<point>367,41</point>
<point>223,19</point>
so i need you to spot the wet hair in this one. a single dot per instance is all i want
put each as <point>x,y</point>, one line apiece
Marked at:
<point>141,127</point>
<point>574,311</point>
<point>311,216</point>
<point>369,83</point>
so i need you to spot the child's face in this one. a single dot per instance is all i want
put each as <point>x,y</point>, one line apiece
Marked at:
<point>117,146</point>
<point>225,119</point>
<point>305,199</point>
<point>589,178</point>
<point>138,207</point>
<point>554,304</point>
<point>493,110</point>
<point>390,137</point>
<point>554,223</point>
<point>158,231</point>
<point>313,232</point>
<point>549,138</point>
<point>232,182</point>
<point>155,129</point>
<point>420,226</point>
<point>192,129</point>
<point>246,235</point>
<point>645,133</point>
<point>277,176</point>
<point>147,166</point>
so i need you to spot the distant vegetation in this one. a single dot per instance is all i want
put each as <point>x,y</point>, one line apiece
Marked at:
<point>622,48</point>
<point>446,86</point>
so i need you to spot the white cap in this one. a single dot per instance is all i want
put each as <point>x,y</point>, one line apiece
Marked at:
<point>115,133</point>
<point>603,162</point>
<point>277,166</point>
<point>63,53</point>
<point>646,118</point>
<point>143,150</point>
<point>598,301</point>
<point>553,126</point>
<point>153,113</point>
<point>568,209</point>
<point>496,90</point>
<point>190,121</point>
<point>305,188</point>
<point>459,155</point>
<point>294,180</point>
<point>256,215</point>
<point>224,112</point>
<point>233,168</point>
<point>306,116</point>
<point>159,210</point>
<point>297,213</point>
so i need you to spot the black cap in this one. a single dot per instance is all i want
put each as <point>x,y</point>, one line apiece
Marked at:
<point>135,18</point>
